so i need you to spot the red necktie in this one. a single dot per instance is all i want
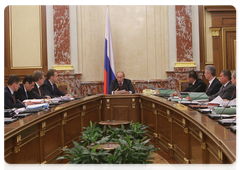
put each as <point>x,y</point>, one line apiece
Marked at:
<point>14,100</point>
<point>234,91</point>
<point>208,87</point>
<point>39,91</point>
<point>120,86</point>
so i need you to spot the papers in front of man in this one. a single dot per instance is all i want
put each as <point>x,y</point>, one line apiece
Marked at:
<point>233,128</point>
<point>121,91</point>
<point>38,106</point>
<point>9,112</point>
<point>217,116</point>
<point>219,100</point>
<point>227,121</point>
<point>35,101</point>
<point>32,108</point>
<point>62,98</point>
<point>9,120</point>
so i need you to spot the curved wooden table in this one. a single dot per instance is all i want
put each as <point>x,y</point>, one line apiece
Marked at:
<point>184,133</point>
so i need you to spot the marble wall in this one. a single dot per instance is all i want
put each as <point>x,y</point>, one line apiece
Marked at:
<point>61,34</point>
<point>139,35</point>
<point>140,42</point>
<point>184,33</point>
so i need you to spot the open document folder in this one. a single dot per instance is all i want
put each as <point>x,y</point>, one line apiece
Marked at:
<point>224,110</point>
<point>166,92</point>
<point>220,101</point>
<point>195,96</point>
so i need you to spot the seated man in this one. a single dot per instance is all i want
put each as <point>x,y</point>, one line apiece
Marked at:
<point>38,91</point>
<point>121,83</point>
<point>236,83</point>
<point>227,89</point>
<point>24,91</point>
<point>194,83</point>
<point>10,100</point>
<point>214,84</point>
<point>49,86</point>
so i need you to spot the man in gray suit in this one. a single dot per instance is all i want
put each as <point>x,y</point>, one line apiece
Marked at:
<point>227,89</point>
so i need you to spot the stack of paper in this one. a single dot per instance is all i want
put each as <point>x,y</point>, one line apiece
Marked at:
<point>219,100</point>
<point>38,106</point>
<point>35,101</point>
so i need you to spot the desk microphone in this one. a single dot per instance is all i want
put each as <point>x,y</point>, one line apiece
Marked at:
<point>21,103</point>
<point>196,99</point>
<point>194,90</point>
<point>69,92</point>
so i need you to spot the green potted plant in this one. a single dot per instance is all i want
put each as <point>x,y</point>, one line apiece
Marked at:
<point>132,147</point>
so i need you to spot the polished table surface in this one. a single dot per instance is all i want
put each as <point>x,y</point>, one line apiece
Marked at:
<point>181,130</point>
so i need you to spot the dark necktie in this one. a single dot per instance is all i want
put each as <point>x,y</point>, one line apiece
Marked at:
<point>13,96</point>
<point>208,87</point>
<point>52,87</point>
<point>39,91</point>
<point>234,92</point>
<point>26,94</point>
<point>221,90</point>
<point>120,86</point>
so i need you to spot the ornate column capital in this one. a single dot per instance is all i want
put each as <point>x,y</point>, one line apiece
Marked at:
<point>215,31</point>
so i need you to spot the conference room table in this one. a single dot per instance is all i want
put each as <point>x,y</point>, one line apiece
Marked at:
<point>185,134</point>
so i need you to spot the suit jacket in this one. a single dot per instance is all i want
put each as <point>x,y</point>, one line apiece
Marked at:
<point>236,94</point>
<point>8,100</point>
<point>127,85</point>
<point>214,87</point>
<point>36,94</point>
<point>47,87</point>
<point>21,95</point>
<point>226,93</point>
<point>199,86</point>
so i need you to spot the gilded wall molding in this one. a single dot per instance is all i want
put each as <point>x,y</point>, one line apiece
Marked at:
<point>215,31</point>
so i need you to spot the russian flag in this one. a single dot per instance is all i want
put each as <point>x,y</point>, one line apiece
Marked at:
<point>109,68</point>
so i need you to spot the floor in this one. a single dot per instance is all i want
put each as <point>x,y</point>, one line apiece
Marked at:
<point>161,162</point>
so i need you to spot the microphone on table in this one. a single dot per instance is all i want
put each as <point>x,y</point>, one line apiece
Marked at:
<point>21,103</point>
<point>69,92</point>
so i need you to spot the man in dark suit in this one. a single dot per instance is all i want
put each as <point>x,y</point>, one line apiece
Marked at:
<point>194,83</point>
<point>236,83</point>
<point>214,84</point>
<point>227,89</point>
<point>38,91</point>
<point>10,100</point>
<point>49,86</point>
<point>24,91</point>
<point>121,83</point>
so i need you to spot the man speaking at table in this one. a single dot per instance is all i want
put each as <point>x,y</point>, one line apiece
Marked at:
<point>121,83</point>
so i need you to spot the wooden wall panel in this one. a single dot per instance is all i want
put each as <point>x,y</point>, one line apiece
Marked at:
<point>26,146</point>
<point>9,151</point>
<point>196,152</point>
<point>7,63</point>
